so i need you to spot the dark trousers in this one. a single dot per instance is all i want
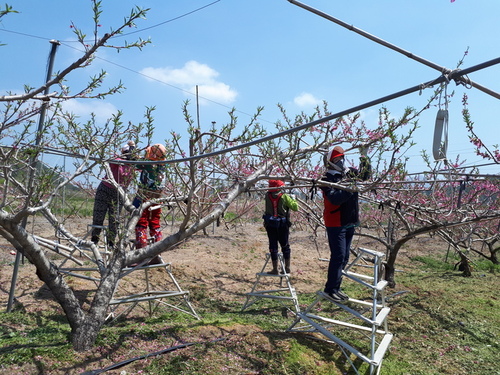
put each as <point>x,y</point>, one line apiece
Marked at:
<point>107,202</point>
<point>339,239</point>
<point>278,236</point>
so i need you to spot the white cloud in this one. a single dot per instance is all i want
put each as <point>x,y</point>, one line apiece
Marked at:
<point>83,108</point>
<point>306,99</point>
<point>194,74</point>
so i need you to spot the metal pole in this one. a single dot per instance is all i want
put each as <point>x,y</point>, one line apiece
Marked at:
<point>421,60</point>
<point>33,163</point>
<point>452,76</point>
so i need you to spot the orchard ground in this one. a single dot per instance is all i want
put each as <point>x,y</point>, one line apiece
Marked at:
<point>218,268</point>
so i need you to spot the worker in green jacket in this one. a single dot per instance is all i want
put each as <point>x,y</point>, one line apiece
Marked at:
<point>277,223</point>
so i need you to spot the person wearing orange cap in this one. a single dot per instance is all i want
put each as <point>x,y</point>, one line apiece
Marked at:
<point>277,223</point>
<point>341,216</point>
<point>150,187</point>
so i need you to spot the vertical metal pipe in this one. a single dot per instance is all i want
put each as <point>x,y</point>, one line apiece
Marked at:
<point>33,162</point>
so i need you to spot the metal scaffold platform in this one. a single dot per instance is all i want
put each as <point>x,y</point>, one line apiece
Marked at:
<point>359,327</point>
<point>175,297</point>
<point>285,292</point>
<point>135,287</point>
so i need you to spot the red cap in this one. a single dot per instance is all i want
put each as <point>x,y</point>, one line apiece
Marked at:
<point>335,152</point>
<point>275,184</point>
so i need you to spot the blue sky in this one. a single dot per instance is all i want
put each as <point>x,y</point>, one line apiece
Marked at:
<point>250,53</point>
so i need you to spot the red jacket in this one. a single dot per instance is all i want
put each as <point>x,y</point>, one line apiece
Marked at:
<point>341,208</point>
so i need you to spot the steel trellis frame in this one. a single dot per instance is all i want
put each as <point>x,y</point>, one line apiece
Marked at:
<point>408,54</point>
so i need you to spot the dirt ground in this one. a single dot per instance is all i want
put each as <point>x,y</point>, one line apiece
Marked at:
<point>224,260</point>
<point>220,264</point>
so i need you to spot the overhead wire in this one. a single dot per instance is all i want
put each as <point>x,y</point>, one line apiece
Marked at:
<point>321,120</point>
<point>450,74</point>
<point>119,35</point>
<point>163,82</point>
<point>170,20</point>
<point>447,76</point>
<point>24,34</point>
<point>66,44</point>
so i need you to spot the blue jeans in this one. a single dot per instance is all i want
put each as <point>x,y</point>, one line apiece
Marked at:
<point>339,240</point>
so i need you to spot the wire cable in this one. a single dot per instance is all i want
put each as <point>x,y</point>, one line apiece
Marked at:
<point>119,35</point>
<point>168,21</point>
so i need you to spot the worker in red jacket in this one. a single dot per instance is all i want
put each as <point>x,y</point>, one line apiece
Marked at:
<point>341,216</point>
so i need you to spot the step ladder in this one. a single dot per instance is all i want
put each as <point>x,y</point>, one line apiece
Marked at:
<point>368,318</point>
<point>175,298</point>
<point>99,255</point>
<point>88,262</point>
<point>284,293</point>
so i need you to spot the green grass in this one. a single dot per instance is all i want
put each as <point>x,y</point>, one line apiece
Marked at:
<point>446,320</point>
<point>442,322</point>
<point>71,202</point>
<point>439,263</point>
<point>228,216</point>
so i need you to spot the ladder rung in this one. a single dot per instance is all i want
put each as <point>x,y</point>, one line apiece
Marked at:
<point>147,266</point>
<point>382,348</point>
<point>381,285</point>
<point>382,315</point>
<point>272,275</point>
<point>141,297</point>
<point>273,291</point>
<point>365,303</point>
<point>270,296</point>
<point>360,275</point>
<point>342,323</point>
<point>74,274</point>
<point>377,254</point>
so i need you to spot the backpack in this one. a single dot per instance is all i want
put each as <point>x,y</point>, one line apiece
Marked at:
<point>274,221</point>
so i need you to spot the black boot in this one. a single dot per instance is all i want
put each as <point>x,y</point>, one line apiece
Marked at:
<point>274,271</point>
<point>287,265</point>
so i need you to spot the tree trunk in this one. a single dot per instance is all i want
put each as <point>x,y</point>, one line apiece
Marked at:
<point>85,326</point>
<point>464,265</point>
<point>390,266</point>
<point>84,335</point>
<point>493,254</point>
<point>85,331</point>
<point>389,274</point>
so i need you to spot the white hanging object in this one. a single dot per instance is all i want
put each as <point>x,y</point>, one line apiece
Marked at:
<point>440,144</point>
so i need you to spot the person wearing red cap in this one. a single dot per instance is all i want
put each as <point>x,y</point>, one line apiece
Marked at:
<point>341,216</point>
<point>277,223</point>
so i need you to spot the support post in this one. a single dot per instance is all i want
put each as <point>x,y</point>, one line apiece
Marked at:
<point>33,161</point>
